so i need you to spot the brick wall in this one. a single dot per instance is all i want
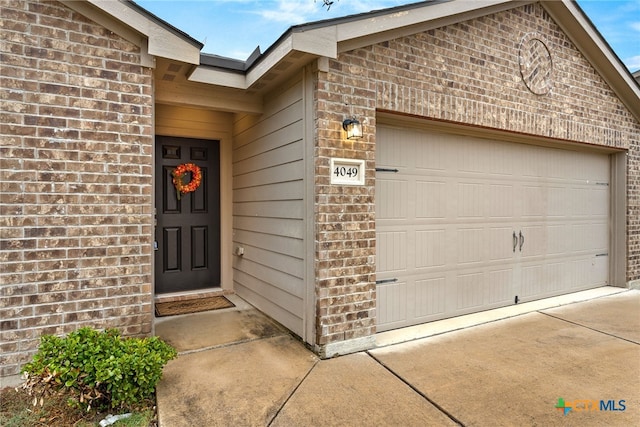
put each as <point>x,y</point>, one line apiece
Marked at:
<point>633,211</point>
<point>76,219</point>
<point>344,216</point>
<point>466,73</point>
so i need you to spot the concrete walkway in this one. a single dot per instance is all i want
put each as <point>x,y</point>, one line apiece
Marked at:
<point>237,367</point>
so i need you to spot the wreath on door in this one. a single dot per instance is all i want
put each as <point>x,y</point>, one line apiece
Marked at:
<point>178,175</point>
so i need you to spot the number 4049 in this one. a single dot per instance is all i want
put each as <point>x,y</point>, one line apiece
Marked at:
<point>342,171</point>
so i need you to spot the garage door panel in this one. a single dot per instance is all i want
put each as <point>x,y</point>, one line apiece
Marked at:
<point>430,250</point>
<point>501,163</point>
<point>430,297</point>
<point>559,238</point>
<point>499,203</point>
<point>395,206</point>
<point>392,303</point>
<point>393,155</point>
<point>470,245</point>
<point>597,201</point>
<point>534,166</point>
<point>429,154</point>
<point>533,201</point>
<point>589,237</point>
<point>470,291</point>
<point>446,222</point>
<point>533,282</point>
<point>391,255</point>
<point>426,193</point>
<point>588,272</point>
<point>474,196</point>
<point>499,286</point>
<point>500,243</point>
<point>557,275</point>
<point>559,204</point>
<point>533,241</point>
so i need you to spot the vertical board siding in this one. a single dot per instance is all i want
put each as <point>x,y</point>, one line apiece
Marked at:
<point>268,210</point>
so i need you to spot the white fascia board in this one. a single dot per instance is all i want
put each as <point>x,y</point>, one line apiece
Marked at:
<point>161,41</point>
<point>406,18</point>
<point>572,21</point>
<point>215,76</point>
<point>320,41</point>
<point>266,63</point>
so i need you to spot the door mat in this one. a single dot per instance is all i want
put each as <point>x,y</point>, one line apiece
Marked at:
<point>173,308</point>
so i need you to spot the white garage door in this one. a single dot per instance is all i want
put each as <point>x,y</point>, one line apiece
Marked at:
<point>466,224</point>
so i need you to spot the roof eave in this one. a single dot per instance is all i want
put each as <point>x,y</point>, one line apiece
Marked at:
<point>329,37</point>
<point>154,36</point>
<point>293,48</point>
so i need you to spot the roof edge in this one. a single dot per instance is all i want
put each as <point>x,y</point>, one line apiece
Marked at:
<point>155,36</point>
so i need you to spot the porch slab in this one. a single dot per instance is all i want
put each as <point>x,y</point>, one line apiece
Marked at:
<point>243,384</point>
<point>355,390</point>
<point>212,329</point>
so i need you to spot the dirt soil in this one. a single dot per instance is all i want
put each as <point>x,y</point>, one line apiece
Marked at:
<point>17,410</point>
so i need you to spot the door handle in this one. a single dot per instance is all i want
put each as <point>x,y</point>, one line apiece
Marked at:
<point>521,240</point>
<point>515,241</point>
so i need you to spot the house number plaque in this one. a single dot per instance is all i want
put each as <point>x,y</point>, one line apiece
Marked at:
<point>347,171</point>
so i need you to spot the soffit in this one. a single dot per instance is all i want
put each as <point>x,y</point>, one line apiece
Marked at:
<point>173,88</point>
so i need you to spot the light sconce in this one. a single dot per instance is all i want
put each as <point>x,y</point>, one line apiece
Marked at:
<point>353,128</point>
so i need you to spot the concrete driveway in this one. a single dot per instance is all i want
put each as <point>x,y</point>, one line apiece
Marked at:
<point>238,368</point>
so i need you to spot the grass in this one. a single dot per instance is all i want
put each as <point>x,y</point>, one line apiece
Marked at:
<point>17,410</point>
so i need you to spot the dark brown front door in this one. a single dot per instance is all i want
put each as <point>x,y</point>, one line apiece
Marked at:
<point>187,232</point>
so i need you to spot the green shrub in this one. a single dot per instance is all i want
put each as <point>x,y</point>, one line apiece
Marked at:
<point>104,368</point>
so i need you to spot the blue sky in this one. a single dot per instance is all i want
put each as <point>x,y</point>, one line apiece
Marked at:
<point>234,28</point>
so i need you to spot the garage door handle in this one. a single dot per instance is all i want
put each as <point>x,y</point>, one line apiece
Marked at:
<point>379,282</point>
<point>515,241</point>
<point>521,240</point>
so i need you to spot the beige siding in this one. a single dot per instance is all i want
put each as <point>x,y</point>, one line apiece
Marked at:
<point>185,122</point>
<point>268,210</point>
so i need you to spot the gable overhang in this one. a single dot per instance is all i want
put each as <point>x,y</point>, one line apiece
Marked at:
<point>303,43</point>
<point>154,36</point>
<point>327,39</point>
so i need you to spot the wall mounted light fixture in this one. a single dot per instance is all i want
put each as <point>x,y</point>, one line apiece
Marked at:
<point>353,128</point>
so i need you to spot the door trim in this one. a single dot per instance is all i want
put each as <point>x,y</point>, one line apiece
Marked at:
<point>221,129</point>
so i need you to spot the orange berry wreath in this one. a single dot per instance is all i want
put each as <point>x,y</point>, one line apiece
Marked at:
<point>191,186</point>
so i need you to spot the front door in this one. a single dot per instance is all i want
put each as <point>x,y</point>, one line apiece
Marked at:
<point>187,233</point>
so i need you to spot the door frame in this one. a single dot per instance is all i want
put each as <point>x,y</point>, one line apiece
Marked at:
<point>188,279</point>
<point>223,133</point>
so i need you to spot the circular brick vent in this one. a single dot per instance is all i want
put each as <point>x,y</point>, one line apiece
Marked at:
<point>535,64</point>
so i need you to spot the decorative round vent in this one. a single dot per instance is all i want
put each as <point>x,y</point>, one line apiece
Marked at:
<point>535,64</point>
